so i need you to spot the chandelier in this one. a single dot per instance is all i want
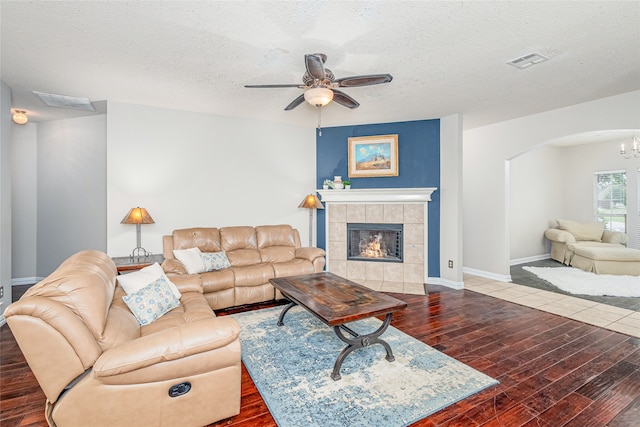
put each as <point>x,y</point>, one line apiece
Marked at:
<point>635,149</point>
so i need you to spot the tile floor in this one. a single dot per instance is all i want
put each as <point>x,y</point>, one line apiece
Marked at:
<point>592,312</point>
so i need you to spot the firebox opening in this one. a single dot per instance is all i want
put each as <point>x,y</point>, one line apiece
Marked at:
<point>374,242</point>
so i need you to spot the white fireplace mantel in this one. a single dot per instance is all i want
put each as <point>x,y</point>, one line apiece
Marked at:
<point>378,195</point>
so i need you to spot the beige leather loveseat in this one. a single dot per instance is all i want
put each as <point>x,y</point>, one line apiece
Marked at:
<point>588,246</point>
<point>98,366</point>
<point>254,254</point>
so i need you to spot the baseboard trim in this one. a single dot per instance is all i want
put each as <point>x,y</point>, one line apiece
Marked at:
<point>487,274</point>
<point>529,259</point>
<point>445,282</point>
<point>19,281</point>
<point>2,320</point>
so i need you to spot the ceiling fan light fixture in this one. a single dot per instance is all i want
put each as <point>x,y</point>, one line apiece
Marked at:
<point>318,96</point>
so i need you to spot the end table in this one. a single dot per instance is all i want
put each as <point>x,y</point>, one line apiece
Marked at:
<point>125,264</point>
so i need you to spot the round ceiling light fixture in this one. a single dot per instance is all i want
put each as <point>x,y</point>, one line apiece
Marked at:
<point>318,96</point>
<point>20,117</point>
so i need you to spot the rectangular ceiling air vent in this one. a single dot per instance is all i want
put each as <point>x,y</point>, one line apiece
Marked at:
<point>64,101</point>
<point>528,60</point>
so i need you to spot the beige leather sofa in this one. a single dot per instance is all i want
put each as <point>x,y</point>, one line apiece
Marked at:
<point>588,246</point>
<point>255,254</point>
<point>98,367</point>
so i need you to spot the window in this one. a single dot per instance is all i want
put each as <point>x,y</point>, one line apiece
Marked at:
<point>610,199</point>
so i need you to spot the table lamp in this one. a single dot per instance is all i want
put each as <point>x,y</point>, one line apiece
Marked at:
<point>311,202</point>
<point>138,216</point>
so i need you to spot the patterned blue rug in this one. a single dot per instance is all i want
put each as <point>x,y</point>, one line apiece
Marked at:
<point>291,364</point>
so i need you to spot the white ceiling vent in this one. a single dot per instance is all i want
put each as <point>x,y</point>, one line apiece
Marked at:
<point>528,60</point>
<point>63,101</point>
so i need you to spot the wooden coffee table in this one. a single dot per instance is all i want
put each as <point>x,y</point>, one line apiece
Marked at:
<point>337,301</point>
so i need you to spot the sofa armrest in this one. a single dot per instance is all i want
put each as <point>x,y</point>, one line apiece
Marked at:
<point>173,266</point>
<point>310,254</point>
<point>609,236</point>
<point>557,235</point>
<point>171,344</point>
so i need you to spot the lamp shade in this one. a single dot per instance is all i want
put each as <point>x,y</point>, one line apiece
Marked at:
<point>311,202</point>
<point>137,216</point>
<point>318,96</point>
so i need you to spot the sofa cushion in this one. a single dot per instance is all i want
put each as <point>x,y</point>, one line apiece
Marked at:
<point>85,284</point>
<point>276,243</point>
<point>240,245</point>
<point>134,281</point>
<point>205,239</point>
<point>193,308</point>
<point>253,275</point>
<point>233,238</point>
<point>583,230</point>
<point>152,301</point>
<point>191,259</point>
<point>214,261</point>
<point>608,253</point>
<point>275,235</point>
<point>617,237</point>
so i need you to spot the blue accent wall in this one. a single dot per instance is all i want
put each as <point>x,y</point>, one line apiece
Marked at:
<point>418,166</point>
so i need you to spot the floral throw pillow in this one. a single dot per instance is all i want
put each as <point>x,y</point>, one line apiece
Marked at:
<point>215,260</point>
<point>151,302</point>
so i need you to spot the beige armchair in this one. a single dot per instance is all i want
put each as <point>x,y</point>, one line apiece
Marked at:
<point>572,234</point>
<point>588,246</point>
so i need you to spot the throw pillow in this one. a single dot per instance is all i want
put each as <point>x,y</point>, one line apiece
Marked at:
<point>134,281</point>
<point>215,260</point>
<point>590,231</point>
<point>191,259</point>
<point>151,302</point>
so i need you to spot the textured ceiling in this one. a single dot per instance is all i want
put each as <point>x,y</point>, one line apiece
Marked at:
<point>445,57</point>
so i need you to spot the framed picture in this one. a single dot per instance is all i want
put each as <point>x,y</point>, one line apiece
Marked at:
<point>371,156</point>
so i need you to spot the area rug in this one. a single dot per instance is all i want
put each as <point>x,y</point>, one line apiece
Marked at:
<point>580,282</point>
<point>291,367</point>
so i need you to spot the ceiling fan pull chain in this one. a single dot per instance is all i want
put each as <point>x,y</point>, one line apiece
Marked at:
<point>319,120</point>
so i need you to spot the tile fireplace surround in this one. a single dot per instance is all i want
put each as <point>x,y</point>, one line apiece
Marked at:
<point>407,206</point>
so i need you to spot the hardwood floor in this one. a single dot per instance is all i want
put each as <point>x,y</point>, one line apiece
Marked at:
<point>553,371</point>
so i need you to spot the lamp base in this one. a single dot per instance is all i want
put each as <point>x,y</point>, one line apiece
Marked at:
<point>140,252</point>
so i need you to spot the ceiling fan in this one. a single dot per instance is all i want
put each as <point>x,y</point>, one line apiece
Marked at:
<point>320,84</point>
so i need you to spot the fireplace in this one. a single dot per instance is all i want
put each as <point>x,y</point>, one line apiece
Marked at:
<point>374,242</point>
<point>385,206</point>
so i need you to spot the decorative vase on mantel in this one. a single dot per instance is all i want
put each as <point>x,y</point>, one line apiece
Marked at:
<point>337,182</point>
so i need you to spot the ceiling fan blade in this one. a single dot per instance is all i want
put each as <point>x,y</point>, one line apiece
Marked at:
<point>367,80</point>
<point>275,86</point>
<point>299,100</point>
<point>344,99</point>
<point>315,67</point>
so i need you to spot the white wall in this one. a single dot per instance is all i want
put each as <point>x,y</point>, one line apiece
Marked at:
<point>536,192</point>
<point>583,161</point>
<point>5,196</point>
<point>24,202</point>
<point>71,208</point>
<point>485,172</point>
<point>199,170</point>
<point>552,182</point>
<point>451,200</point>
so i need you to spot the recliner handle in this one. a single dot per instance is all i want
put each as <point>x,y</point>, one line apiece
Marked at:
<point>179,389</point>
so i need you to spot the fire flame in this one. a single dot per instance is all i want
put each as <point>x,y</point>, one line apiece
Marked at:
<point>373,248</point>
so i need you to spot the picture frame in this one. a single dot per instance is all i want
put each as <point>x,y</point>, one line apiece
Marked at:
<point>373,156</point>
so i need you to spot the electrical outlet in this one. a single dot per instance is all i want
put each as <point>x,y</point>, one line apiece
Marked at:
<point>450,263</point>
<point>1,291</point>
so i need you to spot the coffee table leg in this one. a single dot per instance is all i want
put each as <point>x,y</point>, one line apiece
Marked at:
<point>359,341</point>
<point>284,311</point>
